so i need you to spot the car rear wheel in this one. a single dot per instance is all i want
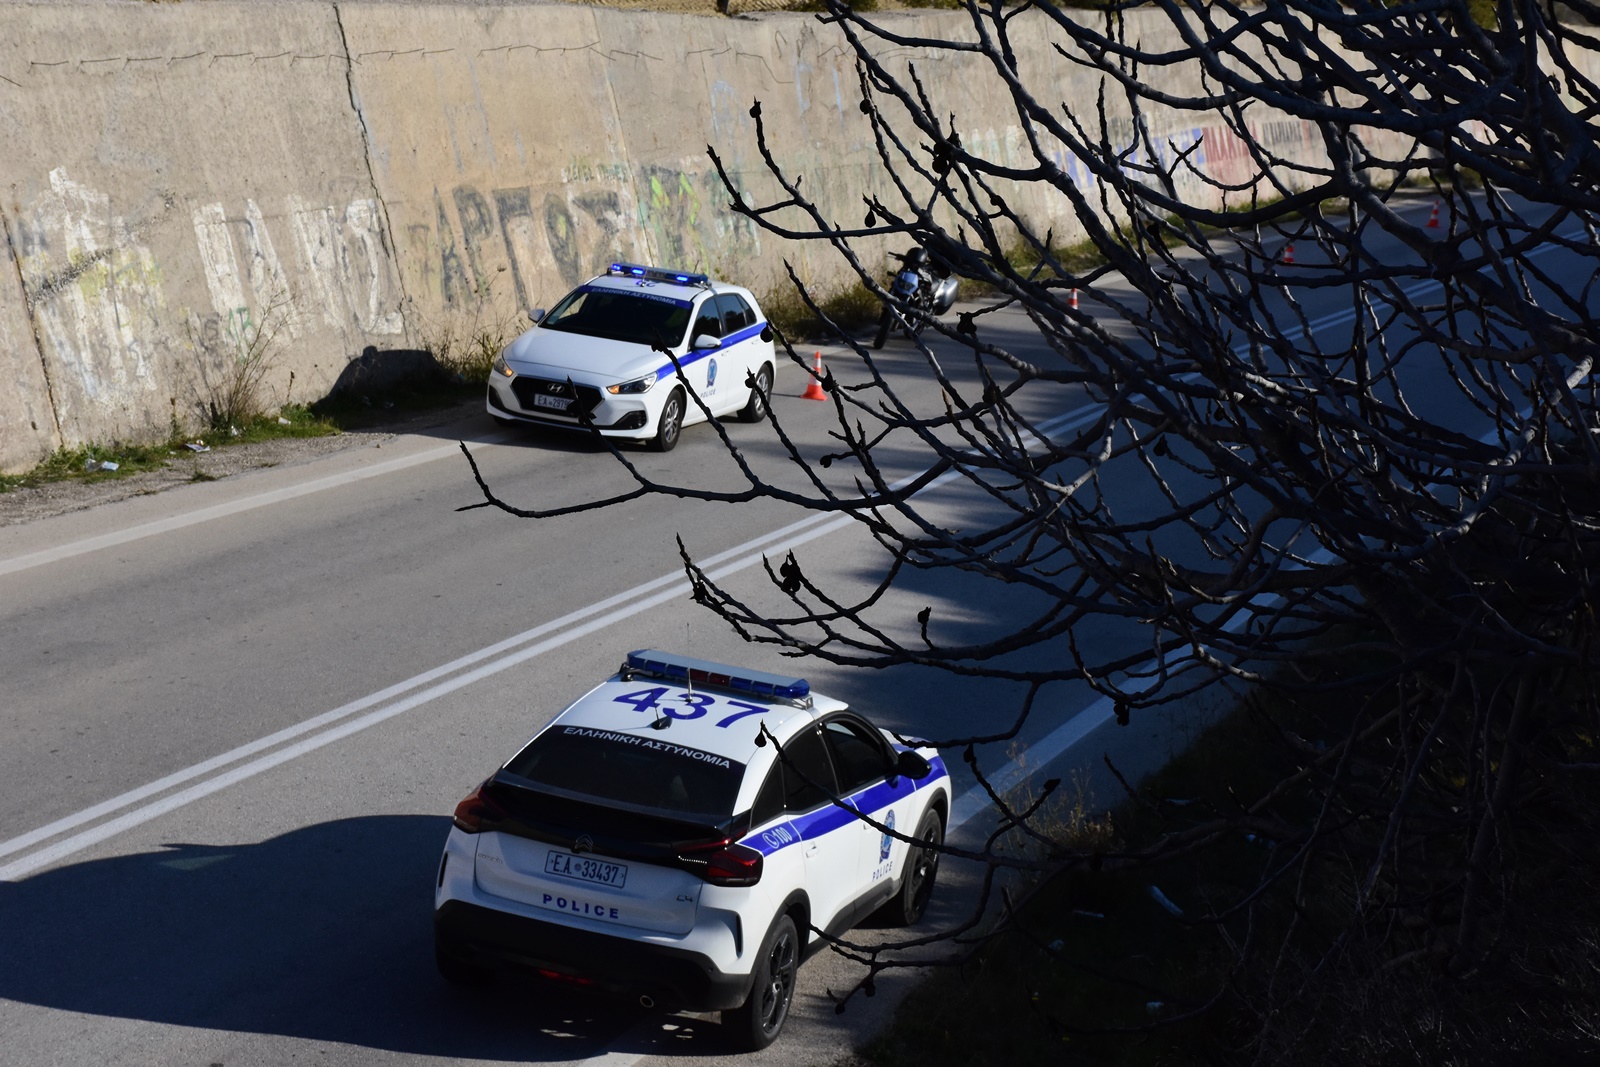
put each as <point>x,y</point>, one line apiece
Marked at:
<point>922,868</point>
<point>756,410</point>
<point>756,1023</point>
<point>670,425</point>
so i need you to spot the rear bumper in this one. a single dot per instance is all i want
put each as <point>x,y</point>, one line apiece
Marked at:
<point>676,979</point>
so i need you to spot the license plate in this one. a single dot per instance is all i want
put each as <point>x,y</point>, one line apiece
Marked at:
<point>555,403</point>
<point>585,869</point>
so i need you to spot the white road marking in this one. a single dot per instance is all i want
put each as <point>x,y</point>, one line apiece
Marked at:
<point>218,511</point>
<point>1045,750</point>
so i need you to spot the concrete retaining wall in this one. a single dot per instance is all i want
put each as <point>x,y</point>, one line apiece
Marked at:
<point>183,181</point>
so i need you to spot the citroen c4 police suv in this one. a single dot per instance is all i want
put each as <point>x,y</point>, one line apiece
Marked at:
<point>598,358</point>
<point>677,833</point>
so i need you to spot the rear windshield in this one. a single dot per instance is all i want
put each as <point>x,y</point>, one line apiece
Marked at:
<point>636,317</point>
<point>634,768</point>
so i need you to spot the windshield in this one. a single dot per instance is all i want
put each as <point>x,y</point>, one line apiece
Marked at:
<point>638,318</point>
<point>642,769</point>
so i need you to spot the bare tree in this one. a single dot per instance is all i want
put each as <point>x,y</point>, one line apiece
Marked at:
<point>1373,466</point>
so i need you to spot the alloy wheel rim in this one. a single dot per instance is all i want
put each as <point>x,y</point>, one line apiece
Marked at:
<point>763,388</point>
<point>780,971</point>
<point>670,419</point>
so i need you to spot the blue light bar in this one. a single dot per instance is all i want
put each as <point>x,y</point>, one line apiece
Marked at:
<point>657,274</point>
<point>693,671</point>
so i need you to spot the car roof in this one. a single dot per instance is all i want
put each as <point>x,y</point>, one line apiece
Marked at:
<point>635,702</point>
<point>647,287</point>
<point>659,282</point>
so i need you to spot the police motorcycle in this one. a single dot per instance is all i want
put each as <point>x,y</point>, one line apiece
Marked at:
<point>923,287</point>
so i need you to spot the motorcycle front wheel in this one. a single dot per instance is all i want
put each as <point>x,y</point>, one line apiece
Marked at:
<point>883,329</point>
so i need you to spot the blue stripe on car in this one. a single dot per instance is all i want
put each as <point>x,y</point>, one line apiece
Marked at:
<point>694,357</point>
<point>814,824</point>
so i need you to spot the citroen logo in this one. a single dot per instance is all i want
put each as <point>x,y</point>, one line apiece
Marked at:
<point>584,843</point>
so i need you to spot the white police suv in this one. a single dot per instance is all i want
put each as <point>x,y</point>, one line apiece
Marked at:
<point>676,834</point>
<point>598,358</point>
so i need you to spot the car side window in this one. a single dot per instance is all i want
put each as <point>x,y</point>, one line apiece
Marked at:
<point>708,321</point>
<point>736,314</point>
<point>769,801</point>
<point>807,760</point>
<point>859,760</point>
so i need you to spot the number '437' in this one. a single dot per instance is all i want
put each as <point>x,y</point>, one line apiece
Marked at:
<point>686,705</point>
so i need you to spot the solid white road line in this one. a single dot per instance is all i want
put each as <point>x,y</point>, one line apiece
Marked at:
<point>217,511</point>
<point>569,627</point>
<point>642,596</point>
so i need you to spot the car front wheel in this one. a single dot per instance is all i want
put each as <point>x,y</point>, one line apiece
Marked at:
<point>922,867</point>
<point>756,1023</point>
<point>670,425</point>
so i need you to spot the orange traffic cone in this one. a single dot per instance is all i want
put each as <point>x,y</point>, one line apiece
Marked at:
<point>814,387</point>
<point>1072,301</point>
<point>1433,219</point>
<point>1288,255</point>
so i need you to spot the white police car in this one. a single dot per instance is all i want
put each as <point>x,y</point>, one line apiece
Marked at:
<point>589,362</point>
<point>653,841</point>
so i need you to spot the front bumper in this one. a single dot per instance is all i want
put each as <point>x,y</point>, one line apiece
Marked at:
<point>676,979</point>
<point>624,417</point>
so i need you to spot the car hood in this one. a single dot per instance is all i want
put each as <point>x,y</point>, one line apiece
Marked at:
<point>592,358</point>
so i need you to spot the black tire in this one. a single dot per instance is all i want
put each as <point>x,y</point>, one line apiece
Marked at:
<point>921,871</point>
<point>755,1024</point>
<point>669,427</point>
<point>756,409</point>
<point>457,971</point>
<point>883,328</point>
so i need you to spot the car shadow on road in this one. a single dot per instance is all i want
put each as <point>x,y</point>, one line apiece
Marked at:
<point>322,933</point>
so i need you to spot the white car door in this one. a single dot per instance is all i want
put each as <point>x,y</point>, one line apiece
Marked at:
<point>829,839</point>
<point>863,768</point>
<point>741,349</point>
<point>703,369</point>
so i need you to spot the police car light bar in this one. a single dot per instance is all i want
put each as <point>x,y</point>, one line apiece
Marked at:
<point>657,274</point>
<point>692,671</point>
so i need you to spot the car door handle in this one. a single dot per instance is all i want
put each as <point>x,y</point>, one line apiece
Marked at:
<point>811,850</point>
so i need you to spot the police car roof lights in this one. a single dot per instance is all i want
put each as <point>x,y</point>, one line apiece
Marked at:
<point>657,274</point>
<point>691,671</point>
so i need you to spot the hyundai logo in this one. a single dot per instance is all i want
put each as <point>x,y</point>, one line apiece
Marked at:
<point>584,843</point>
<point>556,389</point>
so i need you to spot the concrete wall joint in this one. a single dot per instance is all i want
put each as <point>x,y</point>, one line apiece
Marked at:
<point>386,231</point>
<point>33,325</point>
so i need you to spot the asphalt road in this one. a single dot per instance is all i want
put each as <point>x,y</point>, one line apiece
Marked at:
<point>237,716</point>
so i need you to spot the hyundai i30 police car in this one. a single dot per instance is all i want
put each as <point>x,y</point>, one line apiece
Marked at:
<point>676,834</point>
<point>599,359</point>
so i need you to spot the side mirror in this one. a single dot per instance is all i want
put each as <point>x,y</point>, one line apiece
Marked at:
<point>766,334</point>
<point>536,314</point>
<point>912,764</point>
<point>703,341</point>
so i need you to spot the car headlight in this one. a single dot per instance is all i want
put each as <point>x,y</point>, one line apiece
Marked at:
<point>499,366</point>
<point>638,385</point>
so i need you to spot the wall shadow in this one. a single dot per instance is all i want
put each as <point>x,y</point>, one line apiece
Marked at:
<point>322,933</point>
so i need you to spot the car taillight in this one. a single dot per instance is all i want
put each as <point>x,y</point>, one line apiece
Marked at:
<point>725,863</point>
<point>477,807</point>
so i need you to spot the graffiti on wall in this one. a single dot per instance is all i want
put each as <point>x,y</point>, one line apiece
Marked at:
<point>117,324</point>
<point>548,240</point>
<point>95,292</point>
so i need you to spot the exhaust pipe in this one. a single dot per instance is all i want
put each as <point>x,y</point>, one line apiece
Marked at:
<point>646,1002</point>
